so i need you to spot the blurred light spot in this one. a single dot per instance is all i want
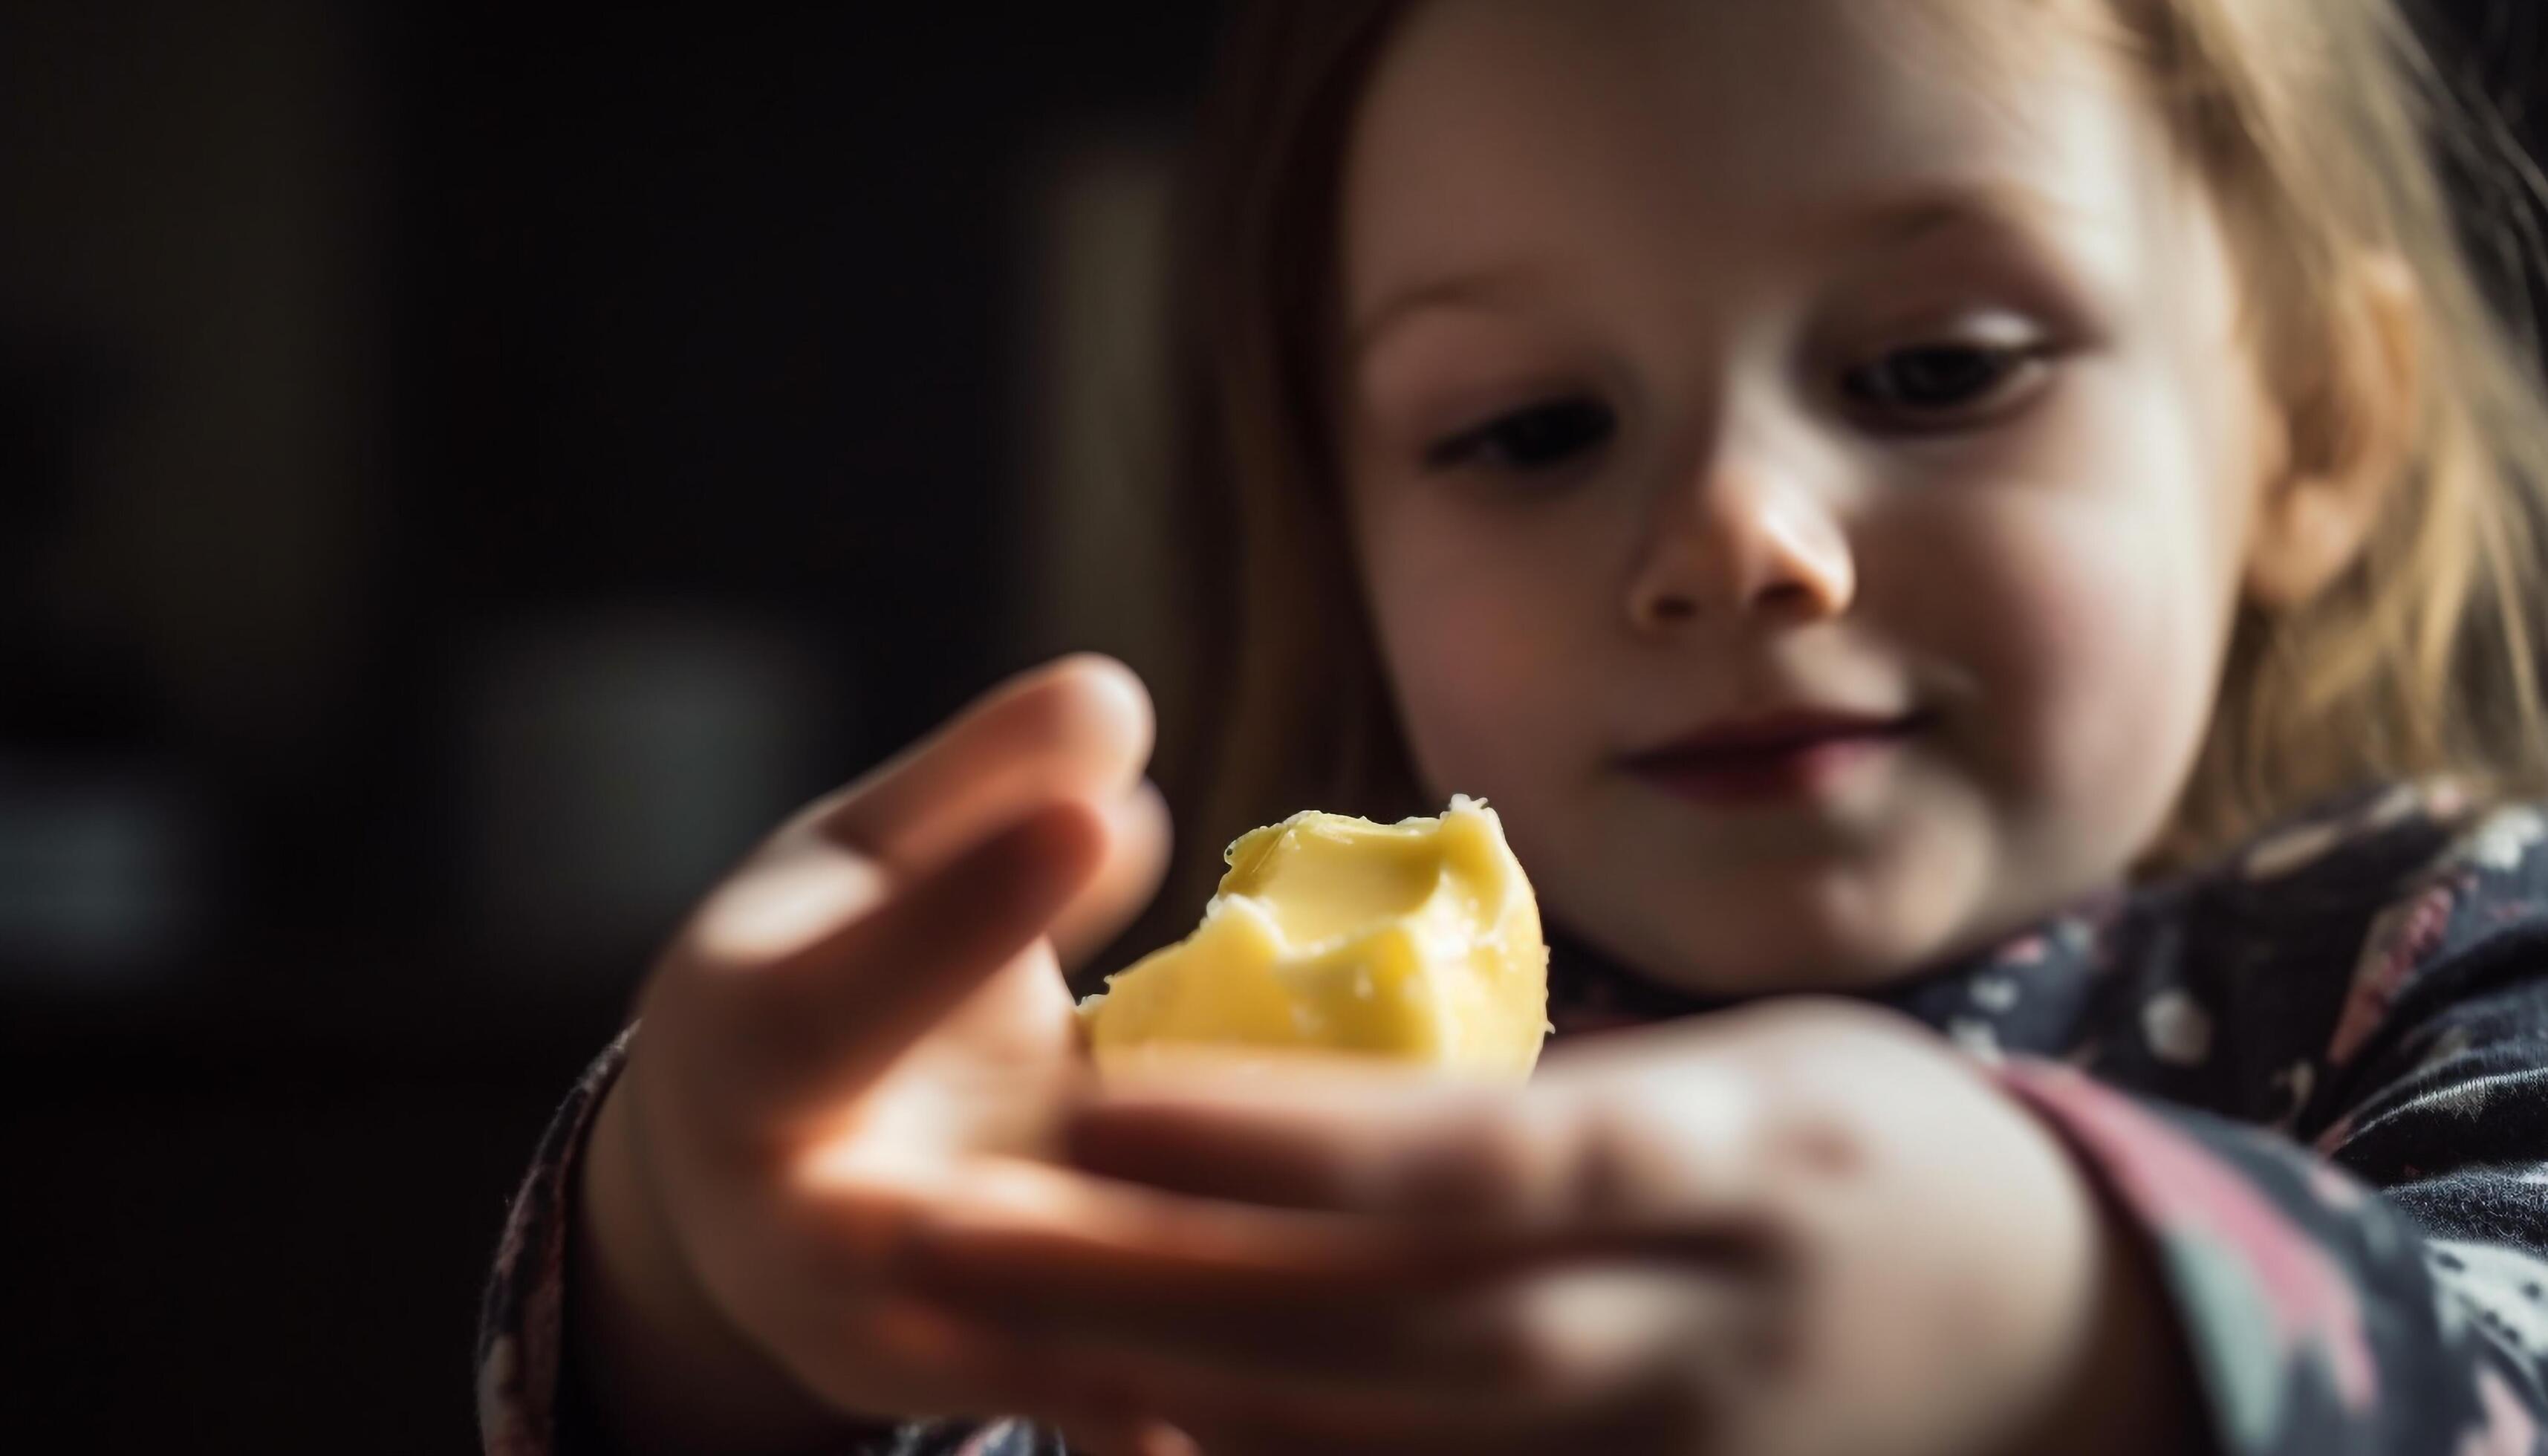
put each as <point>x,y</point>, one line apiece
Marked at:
<point>97,875</point>
<point>785,908</point>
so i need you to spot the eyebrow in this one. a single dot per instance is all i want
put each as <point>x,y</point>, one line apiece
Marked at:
<point>1480,289</point>
<point>1897,219</point>
<point>1914,213</point>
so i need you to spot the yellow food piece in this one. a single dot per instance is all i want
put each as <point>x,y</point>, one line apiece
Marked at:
<point>1418,941</point>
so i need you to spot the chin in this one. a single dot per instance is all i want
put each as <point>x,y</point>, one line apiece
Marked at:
<point>1769,934</point>
<point>1761,959</point>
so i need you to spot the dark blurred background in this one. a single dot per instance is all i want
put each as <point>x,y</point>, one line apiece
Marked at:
<point>463,474</point>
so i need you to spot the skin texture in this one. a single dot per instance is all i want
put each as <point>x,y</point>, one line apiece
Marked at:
<point>862,1034</point>
<point>856,1168</point>
<point>1704,221</point>
<point>1701,361</point>
<point>1735,1234</point>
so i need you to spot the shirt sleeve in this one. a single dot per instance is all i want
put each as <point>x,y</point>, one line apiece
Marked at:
<point>2377,1282</point>
<point>527,1405</point>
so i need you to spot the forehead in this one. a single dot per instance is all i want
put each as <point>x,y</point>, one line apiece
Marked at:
<point>1497,127</point>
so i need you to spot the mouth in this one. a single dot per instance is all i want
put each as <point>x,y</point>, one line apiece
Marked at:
<point>1779,757</point>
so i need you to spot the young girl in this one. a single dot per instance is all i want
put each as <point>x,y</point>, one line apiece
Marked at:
<point>1893,501</point>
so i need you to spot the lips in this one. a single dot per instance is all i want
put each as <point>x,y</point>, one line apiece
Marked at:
<point>1776,755</point>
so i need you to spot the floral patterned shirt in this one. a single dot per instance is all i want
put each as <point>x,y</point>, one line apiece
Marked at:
<point>2317,1076</point>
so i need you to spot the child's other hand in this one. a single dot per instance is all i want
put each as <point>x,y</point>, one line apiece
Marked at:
<point>1810,1227</point>
<point>862,1030</point>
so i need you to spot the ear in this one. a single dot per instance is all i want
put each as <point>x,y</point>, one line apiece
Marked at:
<point>2348,427</point>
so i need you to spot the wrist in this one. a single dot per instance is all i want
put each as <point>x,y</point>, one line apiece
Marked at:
<point>661,1367</point>
<point>2133,1390</point>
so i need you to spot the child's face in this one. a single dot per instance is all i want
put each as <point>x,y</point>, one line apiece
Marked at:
<point>1712,364</point>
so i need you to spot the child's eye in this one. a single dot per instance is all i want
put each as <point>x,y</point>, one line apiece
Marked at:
<point>1541,437</point>
<point>1944,385</point>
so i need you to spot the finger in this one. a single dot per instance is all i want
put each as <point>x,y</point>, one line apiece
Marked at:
<point>1027,1247</point>
<point>1438,1316</point>
<point>1136,856</point>
<point>1676,1152</point>
<point>805,977</point>
<point>1077,727</point>
<point>1370,1140</point>
<point>940,1226</point>
<point>1589,1357</point>
<point>1587,1352</point>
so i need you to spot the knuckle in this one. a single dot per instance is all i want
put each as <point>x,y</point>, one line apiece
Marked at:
<point>1831,1021</point>
<point>1494,1166</point>
<point>1608,1167</point>
<point>1509,1151</point>
<point>1519,1349</point>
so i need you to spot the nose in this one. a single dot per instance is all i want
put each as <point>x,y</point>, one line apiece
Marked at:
<point>1744,539</point>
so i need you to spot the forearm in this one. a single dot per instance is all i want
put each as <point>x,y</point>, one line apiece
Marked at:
<point>2134,1391</point>
<point>2306,1299</point>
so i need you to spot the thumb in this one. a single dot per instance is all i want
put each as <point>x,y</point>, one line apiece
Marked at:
<point>1078,726</point>
<point>800,981</point>
<point>1136,857</point>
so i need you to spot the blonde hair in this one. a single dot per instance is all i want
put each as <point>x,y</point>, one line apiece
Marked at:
<point>2326,136</point>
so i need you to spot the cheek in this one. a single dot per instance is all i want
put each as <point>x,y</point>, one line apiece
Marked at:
<point>1480,634</point>
<point>2082,593</point>
<point>2088,628</point>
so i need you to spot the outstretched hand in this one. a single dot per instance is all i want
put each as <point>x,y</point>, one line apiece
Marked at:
<point>864,1033</point>
<point>1810,1227</point>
